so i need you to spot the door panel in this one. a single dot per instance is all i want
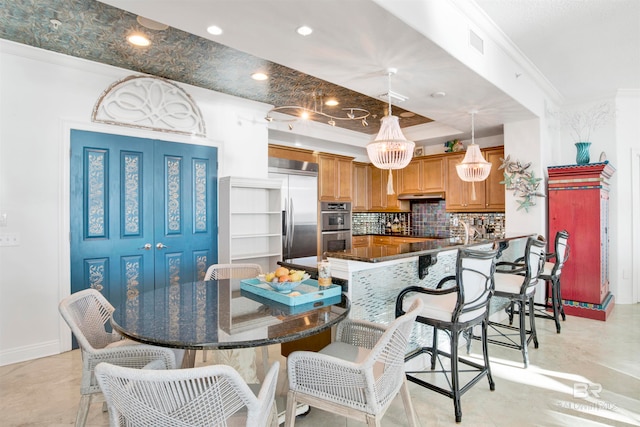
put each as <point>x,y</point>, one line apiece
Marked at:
<point>129,195</point>
<point>186,221</point>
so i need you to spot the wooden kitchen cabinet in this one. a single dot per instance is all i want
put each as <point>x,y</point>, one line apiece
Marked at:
<point>360,241</point>
<point>411,181</point>
<point>380,200</point>
<point>494,192</point>
<point>334,178</point>
<point>361,184</point>
<point>423,175</point>
<point>489,193</point>
<point>458,198</point>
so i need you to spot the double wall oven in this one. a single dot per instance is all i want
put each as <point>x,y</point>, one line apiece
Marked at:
<point>335,223</point>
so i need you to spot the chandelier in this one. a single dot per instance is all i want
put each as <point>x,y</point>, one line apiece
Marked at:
<point>474,168</point>
<point>317,114</point>
<point>390,149</point>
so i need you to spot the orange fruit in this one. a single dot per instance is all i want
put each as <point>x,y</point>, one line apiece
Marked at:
<point>281,271</point>
<point>284,278</point>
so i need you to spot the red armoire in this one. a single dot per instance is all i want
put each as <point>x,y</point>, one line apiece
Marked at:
<point>579,203</point>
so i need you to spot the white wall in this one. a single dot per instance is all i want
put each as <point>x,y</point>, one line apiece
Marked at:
<point>43,95</point>
<point>522,142</point>
<point>625,224</point>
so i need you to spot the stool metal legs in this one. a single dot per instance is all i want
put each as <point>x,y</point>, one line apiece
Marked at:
<point>455,389</point>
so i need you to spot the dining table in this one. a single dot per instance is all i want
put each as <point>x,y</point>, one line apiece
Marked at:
<point>218,314</point>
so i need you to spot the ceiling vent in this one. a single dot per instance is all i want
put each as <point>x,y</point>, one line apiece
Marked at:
<point>476,42</point>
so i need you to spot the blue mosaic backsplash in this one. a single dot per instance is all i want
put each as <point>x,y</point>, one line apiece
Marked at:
<point>428,219</point>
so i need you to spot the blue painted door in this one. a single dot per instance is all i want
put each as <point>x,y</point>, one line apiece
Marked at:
<point>143,213</point>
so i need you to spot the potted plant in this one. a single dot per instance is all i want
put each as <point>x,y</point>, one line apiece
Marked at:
<point>582,124</point>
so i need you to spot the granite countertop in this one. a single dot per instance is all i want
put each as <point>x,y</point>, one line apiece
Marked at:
<point>380,253</point>
<point>400,234</point>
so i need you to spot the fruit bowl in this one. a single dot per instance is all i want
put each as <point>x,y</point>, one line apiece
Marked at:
<point>283,287</point>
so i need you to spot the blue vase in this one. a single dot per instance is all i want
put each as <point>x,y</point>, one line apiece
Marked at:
<point>582,154</point>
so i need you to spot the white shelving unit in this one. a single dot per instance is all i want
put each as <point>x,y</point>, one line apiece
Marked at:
<point>250,224</point>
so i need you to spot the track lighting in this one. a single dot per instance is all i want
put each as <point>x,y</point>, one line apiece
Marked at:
<point>351,113</point>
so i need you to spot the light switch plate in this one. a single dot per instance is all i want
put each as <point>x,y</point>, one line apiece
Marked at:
<point>9,239</point>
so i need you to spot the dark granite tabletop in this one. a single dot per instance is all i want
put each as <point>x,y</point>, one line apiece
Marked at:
<point>380,253</point>
<point>218,315</point>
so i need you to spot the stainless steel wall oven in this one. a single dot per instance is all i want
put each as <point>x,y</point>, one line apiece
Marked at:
<point>336,226</point>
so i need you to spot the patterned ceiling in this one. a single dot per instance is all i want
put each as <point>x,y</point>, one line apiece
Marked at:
<point>95,31</point>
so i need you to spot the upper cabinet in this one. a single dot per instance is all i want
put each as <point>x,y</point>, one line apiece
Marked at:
<point>489,193</point>
<point>423,175</point>
<point>494,191</point>
<point>380,200</point>
<point>361,183</point>
<point>334,178</point>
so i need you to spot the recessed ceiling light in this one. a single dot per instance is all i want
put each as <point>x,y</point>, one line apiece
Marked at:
<point>304,30</point>
<point>259,76</point>
<point>438,94</point>
<point>150,24</point>
<point>407,114</point>
<point>214,30</point>
<point>138,39</point>
<point>332,102</point>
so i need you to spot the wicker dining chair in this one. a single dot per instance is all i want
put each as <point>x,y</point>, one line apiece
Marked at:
<point>235,271</point>
<point>86,312</point>
<point>358,375</point>
<point>214,395</point>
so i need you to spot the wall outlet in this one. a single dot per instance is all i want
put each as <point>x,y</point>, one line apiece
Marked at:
<point>9,239</point>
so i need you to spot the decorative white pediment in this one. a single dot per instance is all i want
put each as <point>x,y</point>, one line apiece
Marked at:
<point>149,102</point>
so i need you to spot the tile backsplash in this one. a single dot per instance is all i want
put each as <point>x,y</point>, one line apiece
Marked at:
<point>428,218</point>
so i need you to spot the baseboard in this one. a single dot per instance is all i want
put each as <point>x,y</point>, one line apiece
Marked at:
<point>29,352</point>
<point>588,310</point>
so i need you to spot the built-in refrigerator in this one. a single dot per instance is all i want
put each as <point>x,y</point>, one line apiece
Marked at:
<point>299,208</point>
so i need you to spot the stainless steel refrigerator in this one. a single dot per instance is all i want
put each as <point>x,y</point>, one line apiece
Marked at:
<point>299,208</point>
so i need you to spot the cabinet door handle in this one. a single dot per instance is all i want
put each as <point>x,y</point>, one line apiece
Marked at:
<point>161,246</point>
<point>146,246</point>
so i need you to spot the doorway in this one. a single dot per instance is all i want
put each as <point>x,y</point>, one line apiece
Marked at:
<point>143,213</point>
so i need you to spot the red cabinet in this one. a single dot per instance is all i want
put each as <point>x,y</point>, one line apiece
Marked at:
<point>579,203</point>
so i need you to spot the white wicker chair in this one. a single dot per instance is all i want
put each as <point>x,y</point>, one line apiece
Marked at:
<point>232,271</point>
<point>86,313</point>
<point>213,395</point>
<point>358,375</point>
<point>235,271</point>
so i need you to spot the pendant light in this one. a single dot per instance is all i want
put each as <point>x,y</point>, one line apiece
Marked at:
<point>390,149</point>
<point>474,168</point>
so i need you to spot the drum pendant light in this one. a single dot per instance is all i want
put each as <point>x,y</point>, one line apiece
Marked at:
<point>474,168</point>
<point>390,149</point>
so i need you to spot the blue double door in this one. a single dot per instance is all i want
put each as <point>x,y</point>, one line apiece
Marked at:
<point>143,213</point>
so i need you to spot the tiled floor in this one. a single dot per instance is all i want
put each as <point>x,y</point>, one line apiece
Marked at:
<point>587,355</point>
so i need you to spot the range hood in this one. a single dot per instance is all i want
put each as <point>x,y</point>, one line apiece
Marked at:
<point>422,196</point>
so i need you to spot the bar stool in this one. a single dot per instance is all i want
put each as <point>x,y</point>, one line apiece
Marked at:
<point>551,274</point>
<point>453,310</point>
<point>517,283</point>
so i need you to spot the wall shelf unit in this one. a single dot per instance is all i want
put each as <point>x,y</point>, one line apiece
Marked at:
<point>250,222</point>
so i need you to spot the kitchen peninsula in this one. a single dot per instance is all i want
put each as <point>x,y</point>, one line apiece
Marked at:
<point>377,273</point>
